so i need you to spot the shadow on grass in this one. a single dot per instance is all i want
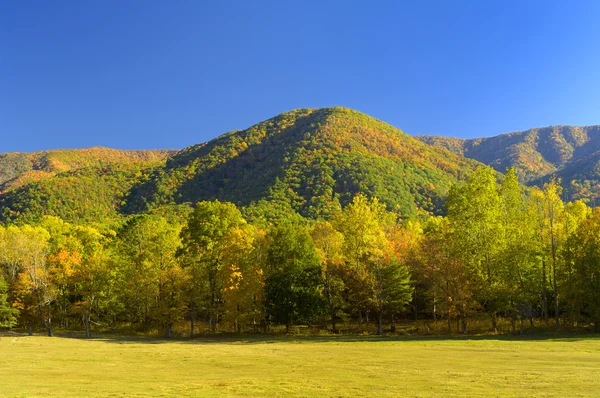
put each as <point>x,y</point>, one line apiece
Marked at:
<point>246,339</point>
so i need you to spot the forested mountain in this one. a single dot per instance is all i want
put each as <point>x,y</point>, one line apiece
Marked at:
<point>308,160</point>
<point>79,185</point>
<point>568,152</point>
<point>18,168</point>
<point>86,195</point>
<point>315,215</point>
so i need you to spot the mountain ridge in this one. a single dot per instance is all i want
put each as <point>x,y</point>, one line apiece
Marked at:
<point>352,152</point>
<point>307,161</point>
<point>538,155</point>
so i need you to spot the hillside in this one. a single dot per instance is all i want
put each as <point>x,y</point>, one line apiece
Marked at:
<point>535,153</point>
<point>580,179</point>
<point>86,195</point>
<point>18,169</point>
<point>566,152</point>
<point>306,161</point>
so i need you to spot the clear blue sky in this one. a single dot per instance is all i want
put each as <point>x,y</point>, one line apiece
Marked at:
<point>167,74</point>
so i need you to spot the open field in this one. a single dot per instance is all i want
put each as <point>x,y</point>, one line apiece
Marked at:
<point>282,366</point>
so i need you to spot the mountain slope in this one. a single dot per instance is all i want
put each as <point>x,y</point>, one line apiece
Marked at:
<point>580,179</point>
<point>308,160</point>
<point>90,195</point>
<point>18,168</point>
<point>534,153</point>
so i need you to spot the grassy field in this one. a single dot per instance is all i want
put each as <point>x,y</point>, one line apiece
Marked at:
<point>312,366</point>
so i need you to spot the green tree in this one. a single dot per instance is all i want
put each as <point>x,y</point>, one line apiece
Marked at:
<point>475,212</point>
<point>8,314</point>
<point>586,267</point>
<point>292,276</point>
<point>550,211</point>
<point>392,288</point>
<point>204,242</point>
<point>329,244</point>
<point>361,224</point>
<point>153,280</point>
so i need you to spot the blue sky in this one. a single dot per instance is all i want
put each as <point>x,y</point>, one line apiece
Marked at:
<point>167,74</point>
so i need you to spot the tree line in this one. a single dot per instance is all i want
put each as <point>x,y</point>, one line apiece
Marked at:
<point>500,251</point>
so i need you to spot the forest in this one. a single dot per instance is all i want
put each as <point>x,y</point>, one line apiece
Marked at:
<point>501,251</point>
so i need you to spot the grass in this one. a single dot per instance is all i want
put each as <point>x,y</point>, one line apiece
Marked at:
<point>303,366</point>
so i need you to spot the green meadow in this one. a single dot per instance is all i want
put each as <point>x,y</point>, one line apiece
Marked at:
<point>302,366</point>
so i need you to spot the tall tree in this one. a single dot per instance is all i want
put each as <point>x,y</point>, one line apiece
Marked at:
<point>551,220</point>
<point>586,267</point>
<point>243,276</point>
<point>329,244</point>
<point>204,241</point>
<point>292,276</point>
<point>361,224</point>
<point>154,281</point>
<point>475,213</point>
<point>92,274</point>
<point>519,265</point>
<point>8,314</point>
<point>36,284</point>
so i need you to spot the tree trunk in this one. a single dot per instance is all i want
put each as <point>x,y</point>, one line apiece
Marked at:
<point>332,310</point>
<point>45,324</point>
<point>544,292</point>
<point>521,326</point>
<point>434,306</point>
<point>416,306</point>
<point>30,326</point>
<point>86,322</point>
<point>333,325</point>
<point>380,322</point>
<point>556,309</point>
<point>192,327</point>
<point>168,332</point>
<point>287,328</point>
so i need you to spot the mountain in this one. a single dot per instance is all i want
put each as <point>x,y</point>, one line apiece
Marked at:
<point>580,179</point>
<point>77,185</point>
<point>19,168</point>
<point>307,161</point>
<point>568,152</point>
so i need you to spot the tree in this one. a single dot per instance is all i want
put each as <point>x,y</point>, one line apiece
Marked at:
<point>475,212</point>
<point>453,283</point>
<point>392,288</point>
<point>8,314</point>
<point>550,213</point>
<point>204,241</point>
<point>329,244</point>
<point>519,271</point>
<point>36,281</point>
<point>586,267</point>
<point>243,276</point>
<point>292,276</point>
<point>154,283</point>
<point>92,274</point>
<point>361,224</point>
<point>575,214</point>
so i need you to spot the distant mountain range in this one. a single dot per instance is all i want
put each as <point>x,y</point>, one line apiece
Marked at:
<point>567,152</point>
<point>307,161</point>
